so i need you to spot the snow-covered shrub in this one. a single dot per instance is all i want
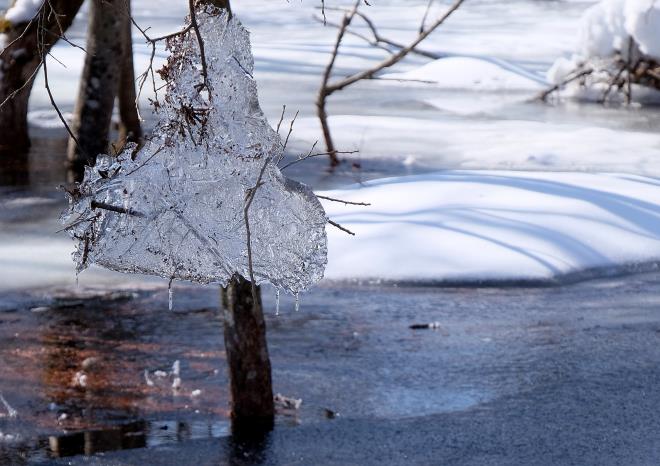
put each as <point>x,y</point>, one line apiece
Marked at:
<point>617,55</point>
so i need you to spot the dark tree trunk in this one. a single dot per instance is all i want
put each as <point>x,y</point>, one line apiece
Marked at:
<point>247,355</point>
<point>99,84</point>
<point>19,63</point>
<point>129,126</point>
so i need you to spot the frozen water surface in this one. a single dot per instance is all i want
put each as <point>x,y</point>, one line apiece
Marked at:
<point>522,362</point>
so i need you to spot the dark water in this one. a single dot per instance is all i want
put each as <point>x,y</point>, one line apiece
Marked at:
<point>585,356</point>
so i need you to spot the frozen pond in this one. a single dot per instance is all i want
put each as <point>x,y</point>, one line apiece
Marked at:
<point>514,375</point>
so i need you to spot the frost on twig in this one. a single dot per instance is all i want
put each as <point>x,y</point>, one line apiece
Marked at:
<point>177,207</point>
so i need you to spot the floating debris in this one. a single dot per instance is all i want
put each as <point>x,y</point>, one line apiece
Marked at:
<point>176,383</point>
<point>285,403</point>
<point>431,326</point>
<point>330,414</point>
<point>149,382</point>
<point>80,379</point>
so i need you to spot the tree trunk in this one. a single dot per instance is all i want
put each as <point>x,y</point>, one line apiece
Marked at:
<point>247,355</point>
<point>19,63</point>
<point>253,409</point>
<point>99,84</point>
<point>129,126</point>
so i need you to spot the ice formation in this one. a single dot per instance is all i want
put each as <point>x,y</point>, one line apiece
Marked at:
<point>614,35</point>
<point>175,208</point>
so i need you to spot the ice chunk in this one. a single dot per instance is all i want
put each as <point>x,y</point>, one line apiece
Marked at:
<point>176,207</point>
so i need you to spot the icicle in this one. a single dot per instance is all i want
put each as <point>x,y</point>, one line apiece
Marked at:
<point>77,273</point>
<point>11,412</point>
<point>277,302</point>
<point>170,294</point>
<point>297,302</point>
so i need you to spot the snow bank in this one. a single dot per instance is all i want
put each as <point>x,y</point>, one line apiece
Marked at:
<point>465,226</point>
<point>23,11</point>
<point>481,74</point>
<point>607,26</point>
<point>610,32</point>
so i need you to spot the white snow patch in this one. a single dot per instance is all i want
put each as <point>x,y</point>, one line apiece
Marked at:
<point>606,27</point>
<point>23,11</point>
<point>498,145</point>
<point>47,119</point>
<point>493,225</point>
<point>480,74</point>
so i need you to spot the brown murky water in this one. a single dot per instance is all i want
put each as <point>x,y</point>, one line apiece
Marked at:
<point>100,362</point>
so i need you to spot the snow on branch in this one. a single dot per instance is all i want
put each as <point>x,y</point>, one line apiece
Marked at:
<point>203,200</point>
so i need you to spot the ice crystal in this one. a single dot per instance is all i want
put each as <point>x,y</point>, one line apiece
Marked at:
<point>175,208</point>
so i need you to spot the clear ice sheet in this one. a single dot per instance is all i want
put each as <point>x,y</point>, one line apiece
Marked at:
<point>183,194</point>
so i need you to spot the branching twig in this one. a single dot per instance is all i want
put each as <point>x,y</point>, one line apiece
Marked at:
<point>328,88</point>
<point>577,75</point>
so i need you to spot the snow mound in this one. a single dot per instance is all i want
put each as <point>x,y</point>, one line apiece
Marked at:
<point>471,73</point>
<point>175,208</point>
<point>471,226</point>
<point>47,119</point>
<point>606,28</point>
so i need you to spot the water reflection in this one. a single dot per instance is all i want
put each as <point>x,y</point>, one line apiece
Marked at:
<point>132,435</point>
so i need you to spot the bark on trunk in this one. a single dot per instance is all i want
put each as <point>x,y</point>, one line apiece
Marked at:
<point>253,408</point>
<point>247,355</point>
<point>99,84</point>
<point>129,126</point>
<point>19,63</point>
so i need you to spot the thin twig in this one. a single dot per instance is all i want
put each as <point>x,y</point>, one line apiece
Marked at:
<point>342,201</point>
<point>279,123</point>
<point>251,193</point>
<point>318,154</point>
<point>346,230</point>
<point>426,14</point>
<point>41,46</point>
<point>200,41</point>
<point>578,74</point>
<point>113,208</point>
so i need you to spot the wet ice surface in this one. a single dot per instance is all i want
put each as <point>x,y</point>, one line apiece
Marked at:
<point>349,350</point>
